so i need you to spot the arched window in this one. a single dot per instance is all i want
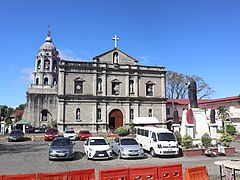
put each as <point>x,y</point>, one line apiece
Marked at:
<point>78,114</point>
<point>39,64</point>
<point>45,81</point>
<point>131,114</point>
<point>78,85</point>
<point>150,113</point>
<point>47,64</point>
<point>149,88</point>
<point>54,82</point>
<point>37,80</point>
<point>99,85</point>
<point>44,114</point>
<point>54,68</point>
<point>115,58</point>
<point>99,113</point>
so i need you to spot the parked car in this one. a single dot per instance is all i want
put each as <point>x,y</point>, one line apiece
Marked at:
<point>30,129</point>
<point>127,147</point>
<point>61,148</point>
<point>97,148</point>
<point>50,134</point>
<point>84,134</point>
<point>71,134</point>
<point>39,129</point>
<point>16,135</point>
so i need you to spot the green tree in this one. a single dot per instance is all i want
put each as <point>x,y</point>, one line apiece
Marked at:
<point>223,113</point>
<point>6,112</point>
<point>21,107</point>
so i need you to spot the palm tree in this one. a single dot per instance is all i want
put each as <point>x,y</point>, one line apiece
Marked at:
<point>223,113</point>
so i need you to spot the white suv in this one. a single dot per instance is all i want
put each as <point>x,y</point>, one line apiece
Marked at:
<point>97,148</point>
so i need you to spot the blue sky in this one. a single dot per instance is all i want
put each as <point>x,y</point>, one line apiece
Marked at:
<point>191,37</point>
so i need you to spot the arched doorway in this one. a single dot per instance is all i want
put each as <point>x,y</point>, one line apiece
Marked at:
<point>115,119</point>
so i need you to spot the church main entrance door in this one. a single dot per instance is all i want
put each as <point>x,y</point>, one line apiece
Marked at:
<point>115,119</point>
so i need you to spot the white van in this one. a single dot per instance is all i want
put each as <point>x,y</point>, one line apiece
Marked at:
<point>158,141</point>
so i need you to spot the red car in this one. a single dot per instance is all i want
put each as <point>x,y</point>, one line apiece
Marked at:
<point>50,134</point>
<point>84,134</point>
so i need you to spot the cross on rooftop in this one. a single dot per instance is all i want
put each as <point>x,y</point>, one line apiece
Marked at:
<point>115,40</point>
<point>49,33</point>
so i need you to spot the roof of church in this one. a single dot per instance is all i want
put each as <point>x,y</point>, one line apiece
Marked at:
<point>112,50</point>
<point>203,101</point>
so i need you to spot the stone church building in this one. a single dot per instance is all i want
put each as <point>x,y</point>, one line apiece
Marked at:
<point>101,95</point>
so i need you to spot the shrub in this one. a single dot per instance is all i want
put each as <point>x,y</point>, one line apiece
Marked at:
<point>231,129</point>
<point>178,136</point>
<point>131,127</point>
<point>187,141</point>
<point>206,140</point>
<point>226,139</point>
<point>122,131</point>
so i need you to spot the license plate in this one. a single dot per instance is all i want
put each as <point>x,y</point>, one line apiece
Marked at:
<point>61,154</point>
<point>170,150</point>
<point>100,154</point>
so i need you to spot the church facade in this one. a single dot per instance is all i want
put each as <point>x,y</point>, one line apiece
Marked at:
<point>101,95</point>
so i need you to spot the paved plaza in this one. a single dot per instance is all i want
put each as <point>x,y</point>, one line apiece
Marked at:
<point>32,157</point>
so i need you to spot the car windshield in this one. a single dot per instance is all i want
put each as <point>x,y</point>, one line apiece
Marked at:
<point>70,131</point>
<point>61,142</point>
<point>129,142</point>
<point>51,130</point>
<point>16,132</point>
<point>166,137</point>
<point>84,132</point>
<point>98,142</point>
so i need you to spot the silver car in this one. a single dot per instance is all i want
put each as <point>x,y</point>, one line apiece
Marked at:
<point>127,147</point>
<point>61,148</point>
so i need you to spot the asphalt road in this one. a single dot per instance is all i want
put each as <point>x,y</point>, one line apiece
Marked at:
<point>32,157</point>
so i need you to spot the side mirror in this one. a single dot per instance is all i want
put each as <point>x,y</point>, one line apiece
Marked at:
<point>141,145</point>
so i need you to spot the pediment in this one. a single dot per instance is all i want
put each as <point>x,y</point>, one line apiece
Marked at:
<point>115,81</point>
<point>115,56</point>
<point>79,79</point>
<point>150,83</point>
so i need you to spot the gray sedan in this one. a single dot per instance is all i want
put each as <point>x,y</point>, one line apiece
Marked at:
<point>127,147</point>
<point>16,135</point>
<point>61,148</point>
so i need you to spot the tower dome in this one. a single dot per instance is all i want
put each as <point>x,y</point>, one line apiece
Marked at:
<point>48,45</point>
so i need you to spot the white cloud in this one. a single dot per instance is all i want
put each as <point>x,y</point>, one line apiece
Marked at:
<point>67,54</point>
<point>144,60</point>
<point>26,75</point>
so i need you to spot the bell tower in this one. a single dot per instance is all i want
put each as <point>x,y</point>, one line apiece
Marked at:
<point>41,107</point>
<point>46,65</point>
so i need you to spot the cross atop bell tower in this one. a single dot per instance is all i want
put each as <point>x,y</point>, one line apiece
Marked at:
<point>49,32</point>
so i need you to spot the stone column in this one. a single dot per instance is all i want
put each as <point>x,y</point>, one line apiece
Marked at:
<point>24,128</point>
<point>190,130</point>
<point>176,127</point>
<point>213,132</point>
<point>2,127</point>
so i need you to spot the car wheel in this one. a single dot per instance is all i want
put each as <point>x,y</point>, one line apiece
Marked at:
<point>9,140</point>
<point>152,152</point>
<point>119,155</point>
